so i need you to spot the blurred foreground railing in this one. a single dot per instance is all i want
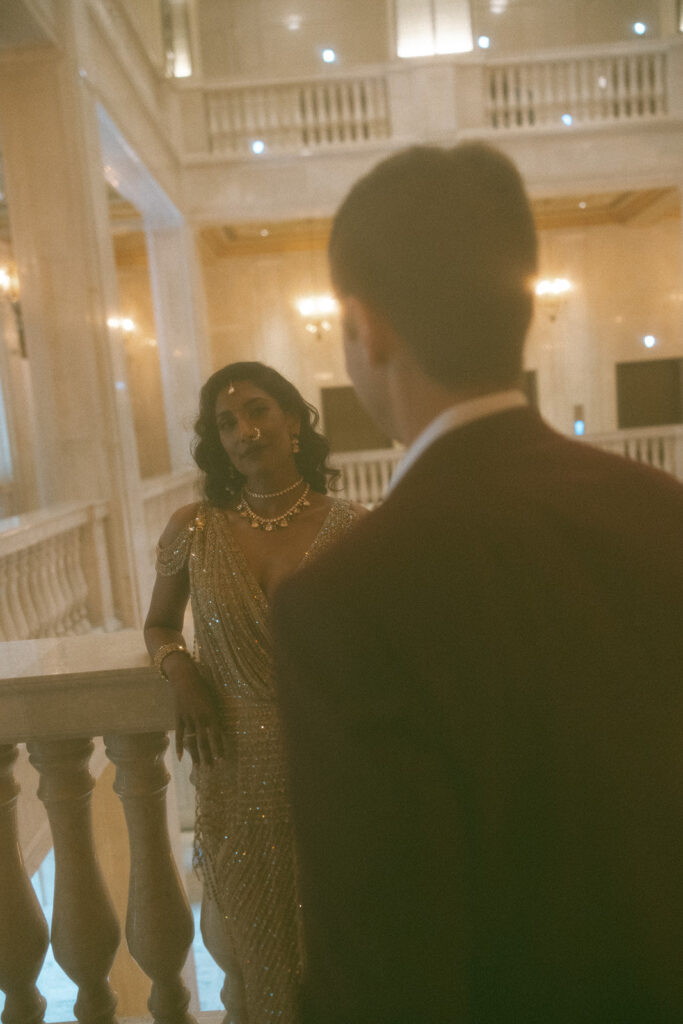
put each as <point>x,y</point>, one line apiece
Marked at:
<point>56,695</point>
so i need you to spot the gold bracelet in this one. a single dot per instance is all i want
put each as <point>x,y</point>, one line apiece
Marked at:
<point>165,649</point>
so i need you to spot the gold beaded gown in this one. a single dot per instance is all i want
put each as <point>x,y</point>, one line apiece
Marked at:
<point>244,844</point>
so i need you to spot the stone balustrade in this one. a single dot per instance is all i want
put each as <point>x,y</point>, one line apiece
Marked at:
<point>56,695</point>
<point>471,93</point>
<point>54,573</point>
<point>661,447</point>
<point>610,84</point>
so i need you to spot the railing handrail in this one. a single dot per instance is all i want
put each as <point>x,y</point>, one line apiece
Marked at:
<point>21,531</point>
<point>584,51</point>
<point>104,680</point>
<point>671,430</point>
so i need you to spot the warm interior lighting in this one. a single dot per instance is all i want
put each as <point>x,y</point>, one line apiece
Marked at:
<point>483,42</point>
<point>329,56</point>
<point>124,322</point>
<point>553,287</point>
<point>552,293</point>
<point>649,341</point>
<point>9,286</point>
<point>427,27</point>
<point>316,311</point>
<point>640,28</point>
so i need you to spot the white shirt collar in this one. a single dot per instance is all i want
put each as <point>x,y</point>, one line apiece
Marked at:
<point>452,418</point>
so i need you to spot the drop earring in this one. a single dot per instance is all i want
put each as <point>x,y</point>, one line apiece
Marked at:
<point>296,446</point>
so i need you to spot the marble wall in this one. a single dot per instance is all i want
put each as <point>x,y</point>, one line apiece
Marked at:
<point>270,38</point>
<point>628,283</point>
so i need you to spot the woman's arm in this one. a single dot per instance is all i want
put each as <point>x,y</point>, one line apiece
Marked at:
<point>197,711</point>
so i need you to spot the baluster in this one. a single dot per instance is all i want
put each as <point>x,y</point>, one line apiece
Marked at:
<point>657,77</point>
<point>44,584</point>
<point>14,599</point>
<point>348,128</point>
<point>549,104</point>
<point>370,108</point>
<point>85,932</point>
<point>25,596</point>
<point>61,586</point>
<point>9,629</point>
<point>56,595</point>
<point>79,584</point>
<point>383,107</point>
<point>37,587</point>
<point>159,925</point>
<point>23,928</point>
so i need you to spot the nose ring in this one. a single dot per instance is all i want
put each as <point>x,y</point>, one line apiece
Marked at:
<point>255,435</point>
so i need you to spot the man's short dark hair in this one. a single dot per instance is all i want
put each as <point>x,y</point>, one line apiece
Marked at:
<point>442,242</point>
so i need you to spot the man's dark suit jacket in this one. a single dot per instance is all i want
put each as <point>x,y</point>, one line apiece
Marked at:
<point>482,688</point>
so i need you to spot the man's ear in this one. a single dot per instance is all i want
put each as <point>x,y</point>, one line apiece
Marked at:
<point>363,325</point>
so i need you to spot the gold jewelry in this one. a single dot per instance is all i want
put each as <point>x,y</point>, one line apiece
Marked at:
<point>296,444</point>
<point>255,436</point>
<point>275,494</point>
<point>231,388</point>
<point>163,651</point>
<point>258,522</point>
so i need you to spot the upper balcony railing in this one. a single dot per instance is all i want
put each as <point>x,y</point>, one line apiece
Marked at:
<point>431,97</point>
<point>613,84</point>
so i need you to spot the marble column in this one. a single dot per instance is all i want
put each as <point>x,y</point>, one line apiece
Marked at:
<point>85,442</point>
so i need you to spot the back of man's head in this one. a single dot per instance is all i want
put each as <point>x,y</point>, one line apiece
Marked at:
<point>442,243</point>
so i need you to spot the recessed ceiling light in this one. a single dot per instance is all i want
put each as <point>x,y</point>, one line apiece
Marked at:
<point>567,119</point>
<point>649,341</point>
<point>483,42</point>
<point>640,28</point>
<point>582,205</point>
<point>258,146</point>
<point>264,232</point>
<point>329,56</point>
<point>293,22</point>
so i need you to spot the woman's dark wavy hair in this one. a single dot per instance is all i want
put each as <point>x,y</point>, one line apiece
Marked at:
<point>222,481</point>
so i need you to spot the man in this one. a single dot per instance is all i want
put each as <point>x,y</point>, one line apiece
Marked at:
<point>482,685</point>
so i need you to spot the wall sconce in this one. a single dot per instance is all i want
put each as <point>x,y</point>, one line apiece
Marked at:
<point>552,294</point>
<point>9,286</point>
<point>317,311</point>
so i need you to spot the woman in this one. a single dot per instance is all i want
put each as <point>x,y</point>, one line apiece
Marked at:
<point>266,512</point>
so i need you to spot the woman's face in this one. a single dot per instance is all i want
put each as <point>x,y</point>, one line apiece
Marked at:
<point>254,430</point>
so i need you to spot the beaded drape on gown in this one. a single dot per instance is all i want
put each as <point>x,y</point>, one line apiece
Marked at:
<point>244,844</point>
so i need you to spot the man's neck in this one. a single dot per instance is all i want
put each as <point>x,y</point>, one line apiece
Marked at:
<point>417,400</point>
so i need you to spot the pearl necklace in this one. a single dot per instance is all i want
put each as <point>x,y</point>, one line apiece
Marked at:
<point>275,494</point>
<point>258,522</point>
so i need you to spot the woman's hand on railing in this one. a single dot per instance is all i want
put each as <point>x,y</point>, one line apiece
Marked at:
<point>198,716</point>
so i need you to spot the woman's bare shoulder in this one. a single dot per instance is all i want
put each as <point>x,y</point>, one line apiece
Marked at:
<point>180,520</point>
